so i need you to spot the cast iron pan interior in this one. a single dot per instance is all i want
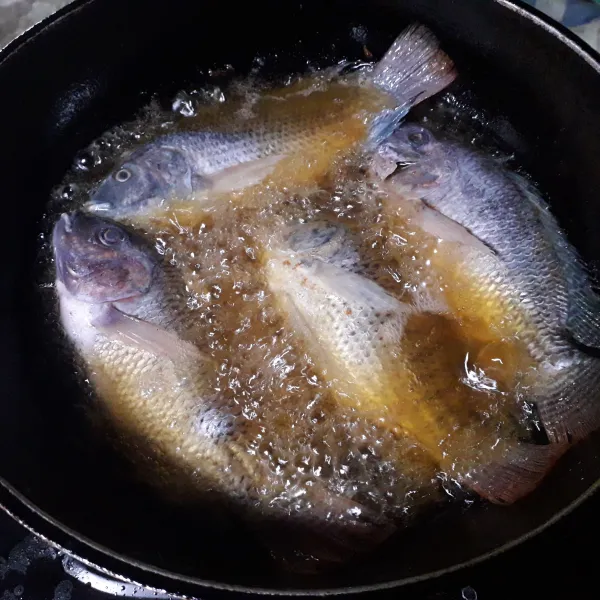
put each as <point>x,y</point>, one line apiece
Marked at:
<point>94,66</point>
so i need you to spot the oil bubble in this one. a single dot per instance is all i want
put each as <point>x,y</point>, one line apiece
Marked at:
<point>185,105</point>
<point>67,193</point>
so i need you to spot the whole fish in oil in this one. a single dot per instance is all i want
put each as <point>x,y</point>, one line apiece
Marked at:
<point>291,138</point>
<point>125,316</point>
<point>400,364</point>
<point>317,482</point>
<point>513,271</point>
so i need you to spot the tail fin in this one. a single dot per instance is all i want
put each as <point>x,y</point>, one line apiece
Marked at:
<point>517,474</point>
<point>412,70</point>
<point>415,67</point>
<point>331,530</point>
<point>569,402</point>
<point>310,551</point>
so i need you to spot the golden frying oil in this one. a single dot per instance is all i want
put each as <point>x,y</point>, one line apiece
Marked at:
<point>453,374</point>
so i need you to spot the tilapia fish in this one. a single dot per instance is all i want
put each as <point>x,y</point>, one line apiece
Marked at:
<point>126,314</point>
<point>123,313</point>
<point>291,138</point>
<point>400,364</point>
<point>507,269</point>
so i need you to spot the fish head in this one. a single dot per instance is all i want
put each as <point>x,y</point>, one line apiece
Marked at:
<point>310,236</point>
<point>143,181</point>
<point>410,143</point>
<point>308,264</point>
<point>321,241</point>
<point>100,261</point>
<point>411,155</point>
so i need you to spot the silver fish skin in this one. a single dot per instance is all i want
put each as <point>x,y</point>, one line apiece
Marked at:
<point>126,317</point>
<point>183,165</point>
<point>536,273</point>
<point>178,165</point>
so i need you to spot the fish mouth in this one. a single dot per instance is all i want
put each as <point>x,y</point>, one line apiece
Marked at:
<point>66,222</point>
<point>64,225</point>
<point>62,230</point>
<point>112,209</point>
<point>60,245</point>
<point>94,206</point>
<point>401,166</point>
<point>63,237</point>
<point>406,162</point>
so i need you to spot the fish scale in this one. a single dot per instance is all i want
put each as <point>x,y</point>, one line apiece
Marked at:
<point>285,139</point>
<point>517,263</point>
<point>398,364</point>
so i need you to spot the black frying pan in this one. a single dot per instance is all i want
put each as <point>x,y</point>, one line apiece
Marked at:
<point>94,65</point>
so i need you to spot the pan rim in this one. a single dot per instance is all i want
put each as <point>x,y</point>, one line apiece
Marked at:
<point>10,495</point>
<point>43,518</point>
<point>29,34</point>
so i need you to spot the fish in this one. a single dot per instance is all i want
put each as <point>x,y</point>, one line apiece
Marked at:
<point>291,140</point>
<point>124,316</point>
<point>515,273</point>
<point>125,311</point>
<point>399,363</point>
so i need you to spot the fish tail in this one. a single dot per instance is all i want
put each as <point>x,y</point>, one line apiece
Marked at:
<point>569,406</point>
<point>412,70</point>
<point>320,549</point>
<point>519,471</point>
<point>334,530</point>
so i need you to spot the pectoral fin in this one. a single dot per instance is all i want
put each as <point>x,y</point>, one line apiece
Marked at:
<point>358,290</point>
<point>243,175</point>
<point>517,474</point>
<point>144,336</point>
<point>434,222</point>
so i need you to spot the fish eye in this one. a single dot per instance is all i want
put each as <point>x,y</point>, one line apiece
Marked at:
<point>416,138</point>
<point>111,236</point>
<point>123,175</point>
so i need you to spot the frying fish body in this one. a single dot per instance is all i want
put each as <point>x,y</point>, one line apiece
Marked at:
<point>515,274</point>
<point>125,316</point>
<point>403,367</point>
<point>126,313</point>
<point>292,139</point>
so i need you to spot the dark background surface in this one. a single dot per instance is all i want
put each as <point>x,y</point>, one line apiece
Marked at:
<point>561,563</point>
